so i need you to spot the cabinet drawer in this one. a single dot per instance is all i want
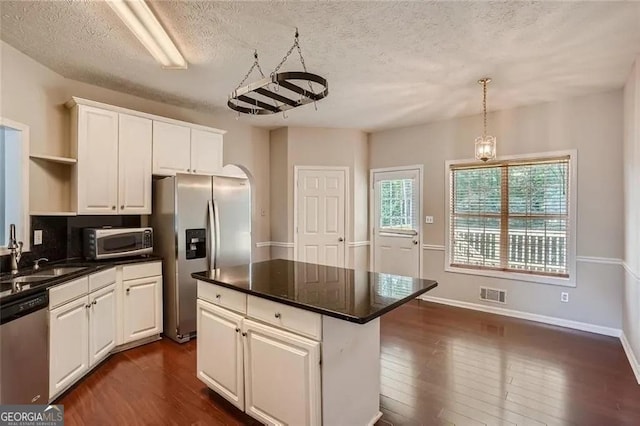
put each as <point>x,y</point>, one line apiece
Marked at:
<point>222,296</point>
<point>66,292</point>
<point>102,279</point>
<point>297,320</point>
<point>141,270</point>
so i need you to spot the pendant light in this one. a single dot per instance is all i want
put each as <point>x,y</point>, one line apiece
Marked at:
<point>485,144</point>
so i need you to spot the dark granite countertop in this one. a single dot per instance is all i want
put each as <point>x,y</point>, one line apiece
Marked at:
<point>347,294</point>
<point>90,266</point>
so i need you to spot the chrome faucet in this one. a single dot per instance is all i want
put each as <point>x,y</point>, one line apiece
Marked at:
<point>15,247</point>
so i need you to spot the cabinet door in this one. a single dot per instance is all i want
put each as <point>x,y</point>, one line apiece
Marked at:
<point>68,344</point>
<point>171,149</point>
<point>102,323</point>
<point>142,308</point>
<point>206,152</point>
<point>97,168</point>
<point>219,357</point>
<point>282,376</point>
<point>134,165</point>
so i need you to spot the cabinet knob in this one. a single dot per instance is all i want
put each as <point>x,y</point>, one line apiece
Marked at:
<point>218,296</point>
<point>87,306</point>
<point>237,330</point>
<point>128,291</point>
<point>341,239</point>
<point>194,170</point>
<point>95,302</point>
<point>122,207</point>
<point>113,207</point>
<point>277,315</point>
<point>188,170</point>
<point>244,334</point>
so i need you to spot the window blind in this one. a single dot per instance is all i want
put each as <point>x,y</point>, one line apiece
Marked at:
<point>511,216</point>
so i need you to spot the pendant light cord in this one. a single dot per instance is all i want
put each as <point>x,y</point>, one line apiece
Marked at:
<point>484,105</point>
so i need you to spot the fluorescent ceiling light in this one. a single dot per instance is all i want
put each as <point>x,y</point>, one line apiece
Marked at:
<point>143,23</point>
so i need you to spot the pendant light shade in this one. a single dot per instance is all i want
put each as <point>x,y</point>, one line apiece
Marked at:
<point>485,146</point>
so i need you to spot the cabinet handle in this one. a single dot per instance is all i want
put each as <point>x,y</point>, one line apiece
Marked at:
<point>95,302</point>
<point>244,334</point>
<point>113,207</point>
<point>87,306</point>
<point>218,296</point>
<point>188,170</point>
<point>122,207</point>
<point>128,291</point>
<point>194,170</point>
<point>237,330</point>
<point>277,315</point>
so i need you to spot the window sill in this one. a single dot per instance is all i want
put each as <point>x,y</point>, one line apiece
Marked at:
<point>514,276</point>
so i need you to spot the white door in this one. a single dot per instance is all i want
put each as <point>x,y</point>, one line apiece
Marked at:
<point>97,171</point>
<point>396,221</point>
<point>68,344</point>
<point>142,308</point>
<point>206,152</point>
<point>320,205</point>
<point>282,376</point>
<point>102,323</point>
<point>220,352</point>
<point>134,165</point>
<point>171,149</point>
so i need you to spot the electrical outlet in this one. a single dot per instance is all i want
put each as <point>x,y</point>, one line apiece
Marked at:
<point>37,237</point>
<point>428,219</point>
<point>564,297</point>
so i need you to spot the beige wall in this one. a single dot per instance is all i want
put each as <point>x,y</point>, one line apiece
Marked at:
<point>34,95</point>
<point>320,147</point>
<point>631,309</point>
<point>593,126</point>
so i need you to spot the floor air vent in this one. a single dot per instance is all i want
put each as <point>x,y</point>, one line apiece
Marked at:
<point>493,295</point>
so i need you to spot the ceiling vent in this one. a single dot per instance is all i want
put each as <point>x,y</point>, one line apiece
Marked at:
<point>493,295</point>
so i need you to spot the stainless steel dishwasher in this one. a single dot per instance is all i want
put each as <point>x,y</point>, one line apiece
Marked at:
<point>24,350</point>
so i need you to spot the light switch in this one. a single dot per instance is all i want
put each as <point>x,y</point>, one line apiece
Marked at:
<point>428,219</point>
<point>37,237</point>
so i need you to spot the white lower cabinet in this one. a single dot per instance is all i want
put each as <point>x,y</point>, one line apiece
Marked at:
<point>281,376</point>
<point>219,352</point>
<point>271,374</point>
<point>142,308</point>
<point>102,323</point>
<point>68,344</point>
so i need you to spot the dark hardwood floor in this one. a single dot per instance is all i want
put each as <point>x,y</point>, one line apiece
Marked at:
<point>440,366</point>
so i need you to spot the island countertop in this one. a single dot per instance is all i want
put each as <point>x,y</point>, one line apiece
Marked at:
<point>351,295</point>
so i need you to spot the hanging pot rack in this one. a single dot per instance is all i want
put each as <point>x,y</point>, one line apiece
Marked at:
<point>264,96</point>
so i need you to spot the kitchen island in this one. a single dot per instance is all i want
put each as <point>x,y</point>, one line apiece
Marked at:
<point>297,343</point>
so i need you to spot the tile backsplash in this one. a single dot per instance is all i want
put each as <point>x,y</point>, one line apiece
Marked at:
<point>62,236</point>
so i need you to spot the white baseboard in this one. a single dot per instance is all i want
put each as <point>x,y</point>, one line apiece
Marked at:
<point>583,326</point>
<point>635,365</point>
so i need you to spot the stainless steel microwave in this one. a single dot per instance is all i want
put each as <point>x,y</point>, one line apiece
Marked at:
<point>108,243</point>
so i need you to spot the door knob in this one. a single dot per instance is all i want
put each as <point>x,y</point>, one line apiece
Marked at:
<point>341,239</point>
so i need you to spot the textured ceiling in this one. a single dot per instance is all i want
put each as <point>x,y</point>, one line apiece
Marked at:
<point>389,64</point>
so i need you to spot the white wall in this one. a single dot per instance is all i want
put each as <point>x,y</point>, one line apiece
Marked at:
<point>34,95</point>
<point>593,126</point>
<point>631,309</point>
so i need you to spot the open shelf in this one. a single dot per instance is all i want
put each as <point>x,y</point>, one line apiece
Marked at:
<point>60,160</point>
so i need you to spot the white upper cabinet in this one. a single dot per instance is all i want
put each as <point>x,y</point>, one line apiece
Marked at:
<point>206,152</point>
<point>134,165</point>
<point>96,173</point>
<point>171,149</point>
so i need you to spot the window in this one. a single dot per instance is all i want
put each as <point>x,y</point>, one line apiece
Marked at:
<point>14,179</point>
<point>397,205</point>
<point>513,216</point>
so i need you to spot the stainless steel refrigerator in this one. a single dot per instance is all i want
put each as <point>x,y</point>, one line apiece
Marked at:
<point>199,223</point>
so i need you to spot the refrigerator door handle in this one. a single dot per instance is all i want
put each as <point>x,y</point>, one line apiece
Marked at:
<point>216,236</point>
<point>213,233</point>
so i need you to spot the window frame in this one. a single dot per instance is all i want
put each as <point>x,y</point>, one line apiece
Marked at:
<point>528,276</point>
<point>23,232</point>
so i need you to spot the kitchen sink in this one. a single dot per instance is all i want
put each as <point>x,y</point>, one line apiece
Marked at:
<point>56,272</point>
